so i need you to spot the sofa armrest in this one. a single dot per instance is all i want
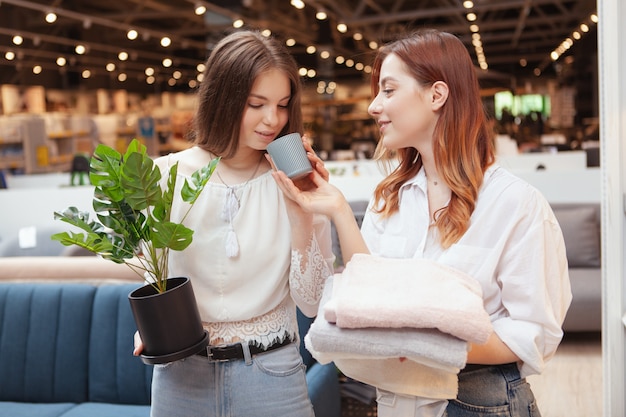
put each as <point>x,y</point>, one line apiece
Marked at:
<point>84,269</point>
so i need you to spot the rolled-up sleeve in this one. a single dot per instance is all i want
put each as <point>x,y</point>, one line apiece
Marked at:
<point>535,289</point>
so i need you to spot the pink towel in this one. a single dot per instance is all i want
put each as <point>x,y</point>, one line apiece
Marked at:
<point>383,292</point>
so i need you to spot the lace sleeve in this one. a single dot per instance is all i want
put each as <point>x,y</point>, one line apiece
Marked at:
<point>309,271</point>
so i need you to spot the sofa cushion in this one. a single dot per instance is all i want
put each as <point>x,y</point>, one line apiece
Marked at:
<point>19,409</point>
<point>37,364</point>
<point>115,375</point>
<point>107,410</point>
<point>581,231</point>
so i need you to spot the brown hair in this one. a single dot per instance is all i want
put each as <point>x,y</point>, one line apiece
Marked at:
<point>231,70</point>
<point>462,142</point>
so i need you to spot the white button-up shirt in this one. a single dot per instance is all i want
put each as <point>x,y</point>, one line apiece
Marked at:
<point>514,247</point>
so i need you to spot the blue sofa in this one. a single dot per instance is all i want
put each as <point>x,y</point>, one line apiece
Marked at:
<point>65,350</point>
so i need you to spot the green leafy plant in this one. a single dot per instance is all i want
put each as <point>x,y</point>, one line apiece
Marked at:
<point>133,210</point>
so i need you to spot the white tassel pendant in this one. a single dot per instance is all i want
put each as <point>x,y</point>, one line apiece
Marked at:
<point>229,211</point>
<point>231,205</point>
<point>232,246</point>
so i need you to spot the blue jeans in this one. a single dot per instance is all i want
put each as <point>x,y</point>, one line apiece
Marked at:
<point>493,391</point>
<point>271,384</point>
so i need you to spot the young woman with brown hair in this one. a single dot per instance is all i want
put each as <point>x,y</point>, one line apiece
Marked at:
<point>255,256</point>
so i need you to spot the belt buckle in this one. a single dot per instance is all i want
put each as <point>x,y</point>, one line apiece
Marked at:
<point>211,358</point>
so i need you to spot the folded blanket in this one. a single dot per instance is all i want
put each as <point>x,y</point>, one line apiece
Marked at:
<point>406,377</point>
<point>430,347</point>
<point>419,293</point>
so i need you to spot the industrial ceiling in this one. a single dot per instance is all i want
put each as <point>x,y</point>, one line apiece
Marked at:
<point>509,40</point>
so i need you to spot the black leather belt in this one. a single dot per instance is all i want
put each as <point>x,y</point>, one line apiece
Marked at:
<point>235,351</point>
<point>476,366</point>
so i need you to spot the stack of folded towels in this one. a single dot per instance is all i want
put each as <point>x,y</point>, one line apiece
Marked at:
<point>381,309</point>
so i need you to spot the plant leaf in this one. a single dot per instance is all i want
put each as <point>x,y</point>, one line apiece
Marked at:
<point>163,211</point>
<point>140,181</point>
<point>171,235</point>
<point>192,188</point>
<point>105,172</point>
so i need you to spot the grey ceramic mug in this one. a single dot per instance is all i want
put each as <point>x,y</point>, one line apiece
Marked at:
<point>289,155</point>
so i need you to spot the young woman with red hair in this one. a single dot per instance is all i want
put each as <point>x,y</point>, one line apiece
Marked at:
<point>447,200</point>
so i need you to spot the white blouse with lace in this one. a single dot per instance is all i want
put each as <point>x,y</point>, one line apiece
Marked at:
<point>250,296</point>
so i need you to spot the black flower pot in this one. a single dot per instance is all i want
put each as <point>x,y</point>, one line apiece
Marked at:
<point>169,323</point>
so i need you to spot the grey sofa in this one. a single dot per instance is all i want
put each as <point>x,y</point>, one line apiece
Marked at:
<point>580,223</point>
<point>65,351</point>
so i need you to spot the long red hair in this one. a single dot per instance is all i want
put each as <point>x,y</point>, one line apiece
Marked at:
<point>462,143</point>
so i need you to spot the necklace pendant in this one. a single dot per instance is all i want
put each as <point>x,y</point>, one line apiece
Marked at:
<point>231,205</point>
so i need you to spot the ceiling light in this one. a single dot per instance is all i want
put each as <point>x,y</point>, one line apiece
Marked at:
<point>17,40</point>
<point>37,69</point>
<point>9,55</point>
<point>86,74</point>
<point>123,56</point>
<point>80,49</point>
<point>290,42</point>
<point>594,18</point>
<point>121,77</point>
<point>359,66</point>
<point>177,75</point>
<point>342,27</point>
<point>321,15</point>
<point>237,23</point>
<point>468,4</point>
<point>349,63</point>
<point>61,61</point>
<point>471,17</point>
<point>340,59</point>
<point>200,9</point>
<point>523,62</point>
<point>311,49</point>
<point>171,82</point>
<point>267,33</point>
<point>311,73</point>
<point>167,62</point>
<point>584,27</point>
<point>324,54</point>
<point>373,45</point>
<point>110,67</point>
<point>149,71</point>
<point>132,34</point>
<point>51,17</point>
<point>298,4</point>
<point>302,71</point>
<point>165,41</point>
<point>201,67</point>
<point>474,28</point>
<point>357,36</point>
